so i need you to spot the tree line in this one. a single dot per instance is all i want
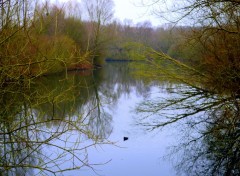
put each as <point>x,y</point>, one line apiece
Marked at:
<point>41,38</point>
<point>38,39</point>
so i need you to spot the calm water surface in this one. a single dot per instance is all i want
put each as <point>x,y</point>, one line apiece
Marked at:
<point>89,112</point>
<point>142,154</point>
<point>73,124</point>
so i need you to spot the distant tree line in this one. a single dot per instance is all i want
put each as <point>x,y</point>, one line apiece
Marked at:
<point>41,38</point>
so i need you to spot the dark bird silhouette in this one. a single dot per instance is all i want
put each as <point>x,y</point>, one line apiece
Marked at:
<point>125,138</point>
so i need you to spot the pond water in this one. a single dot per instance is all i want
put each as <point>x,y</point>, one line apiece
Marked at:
<point>74,124</point>
<point>142,154</point>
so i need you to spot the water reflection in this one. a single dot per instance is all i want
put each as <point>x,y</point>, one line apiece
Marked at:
<point>222,143</point>
<point>48,124</point>
<point>208,128</point>
<point>51,125</point>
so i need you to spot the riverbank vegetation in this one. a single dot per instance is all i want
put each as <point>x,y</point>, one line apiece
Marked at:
<point>43,38</point>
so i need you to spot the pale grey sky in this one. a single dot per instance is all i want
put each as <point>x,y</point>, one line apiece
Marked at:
<point>134,10</point>
<point>131,10</point>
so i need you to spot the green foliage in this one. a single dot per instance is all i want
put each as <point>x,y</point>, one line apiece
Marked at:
<point>49,43</point>
<point>59,52</point>
<point>75,29</point>
<point>186,51</point>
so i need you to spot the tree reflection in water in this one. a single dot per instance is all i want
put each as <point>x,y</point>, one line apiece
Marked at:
<point>44,125</point>
<point>49,124</point>
<point>209,124</point>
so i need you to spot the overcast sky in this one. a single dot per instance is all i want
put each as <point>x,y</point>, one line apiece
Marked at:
<point>134,10</point>
<point>131,10</point>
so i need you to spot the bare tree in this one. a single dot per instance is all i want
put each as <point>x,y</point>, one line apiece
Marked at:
<point>208,98</point>
<point>99,12</point>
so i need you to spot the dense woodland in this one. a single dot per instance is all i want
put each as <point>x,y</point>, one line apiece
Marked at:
<point>42,38</point>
